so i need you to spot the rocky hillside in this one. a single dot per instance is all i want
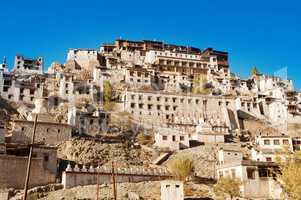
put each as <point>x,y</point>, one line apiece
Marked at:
<point>86,151</point>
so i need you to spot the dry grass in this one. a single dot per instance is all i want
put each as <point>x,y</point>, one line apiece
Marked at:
<point>182,167</point>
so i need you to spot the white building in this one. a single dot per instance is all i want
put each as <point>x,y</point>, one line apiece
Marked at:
<point>229,155</point>
<point>28,65</point>
<point>171,139</point>
<point>268,148</point>
<point>86,58</point>
<point>256,178</point>
<point>210,131</point>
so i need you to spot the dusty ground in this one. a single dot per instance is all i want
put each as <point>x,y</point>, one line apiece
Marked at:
<point>84,151</point>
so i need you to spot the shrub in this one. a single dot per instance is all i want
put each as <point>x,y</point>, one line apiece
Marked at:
<point>144,139</point>
<point>227,186</point>
<point>182,167</point>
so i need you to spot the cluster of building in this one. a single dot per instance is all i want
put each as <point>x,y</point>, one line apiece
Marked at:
<point>187,95</point>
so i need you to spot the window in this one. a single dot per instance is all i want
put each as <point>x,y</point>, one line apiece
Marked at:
<point>166,107</point>
<point>173,138</point>
<point>276,142</point>
<point>140,105</point>
<point>174,99</point>
<point>132,105</point>
<point>197,101</point>
<point>91,121</point>
<point>177,186</point>
<point>266,142</point>
<point>166,99</point>
<point>164,137</point>
<point>149,106</point>
<point>158,107</point>
<point>133,97</point>
<point>182,100</point>
<point>268,159</point>
<point>149,98</point>
<point>23,128</point>
<point>285,142</point>
<point>263,173</point>
<point>182,138</point>
<point>158,98</point>
<point>251,173</point>
<point>46,158</point>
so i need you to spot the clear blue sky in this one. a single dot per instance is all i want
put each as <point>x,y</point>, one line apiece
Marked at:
<point>264,33</point>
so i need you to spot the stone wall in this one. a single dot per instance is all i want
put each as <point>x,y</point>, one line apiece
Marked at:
<point>73,177</point>
<point>2,134</point>
<point>50,133</point>
<point>13,172</point>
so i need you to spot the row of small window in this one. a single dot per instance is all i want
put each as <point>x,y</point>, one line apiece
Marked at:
<point>178,55</point>
<point>174,100</point>
<point>187,64</point>
<point>150,106</point>
<point>167,117</point>
<point>166,99</point>
<point>248,105</point>
<point>276,142</point>
<point>138,80</point>
<point>139,74</point>
<point>47,130</point>
<point>164,137</point>
<point>21,97</point>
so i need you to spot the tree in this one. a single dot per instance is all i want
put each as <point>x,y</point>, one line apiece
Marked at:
<point>182,167</point>
<point>254,71</point>
<point>108,96</point>
<point>199,85</point>
<point>109,106</point>
<point>227,186</point>
<point>289,175</point>
<point>107,91</point>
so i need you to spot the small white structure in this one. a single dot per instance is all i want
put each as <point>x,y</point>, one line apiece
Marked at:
<point>211,132</point>
<point>257,181</point>
<point>172,139</point>
<point>227,155</point>
<point>172,190</point>
<point>269,147</point>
